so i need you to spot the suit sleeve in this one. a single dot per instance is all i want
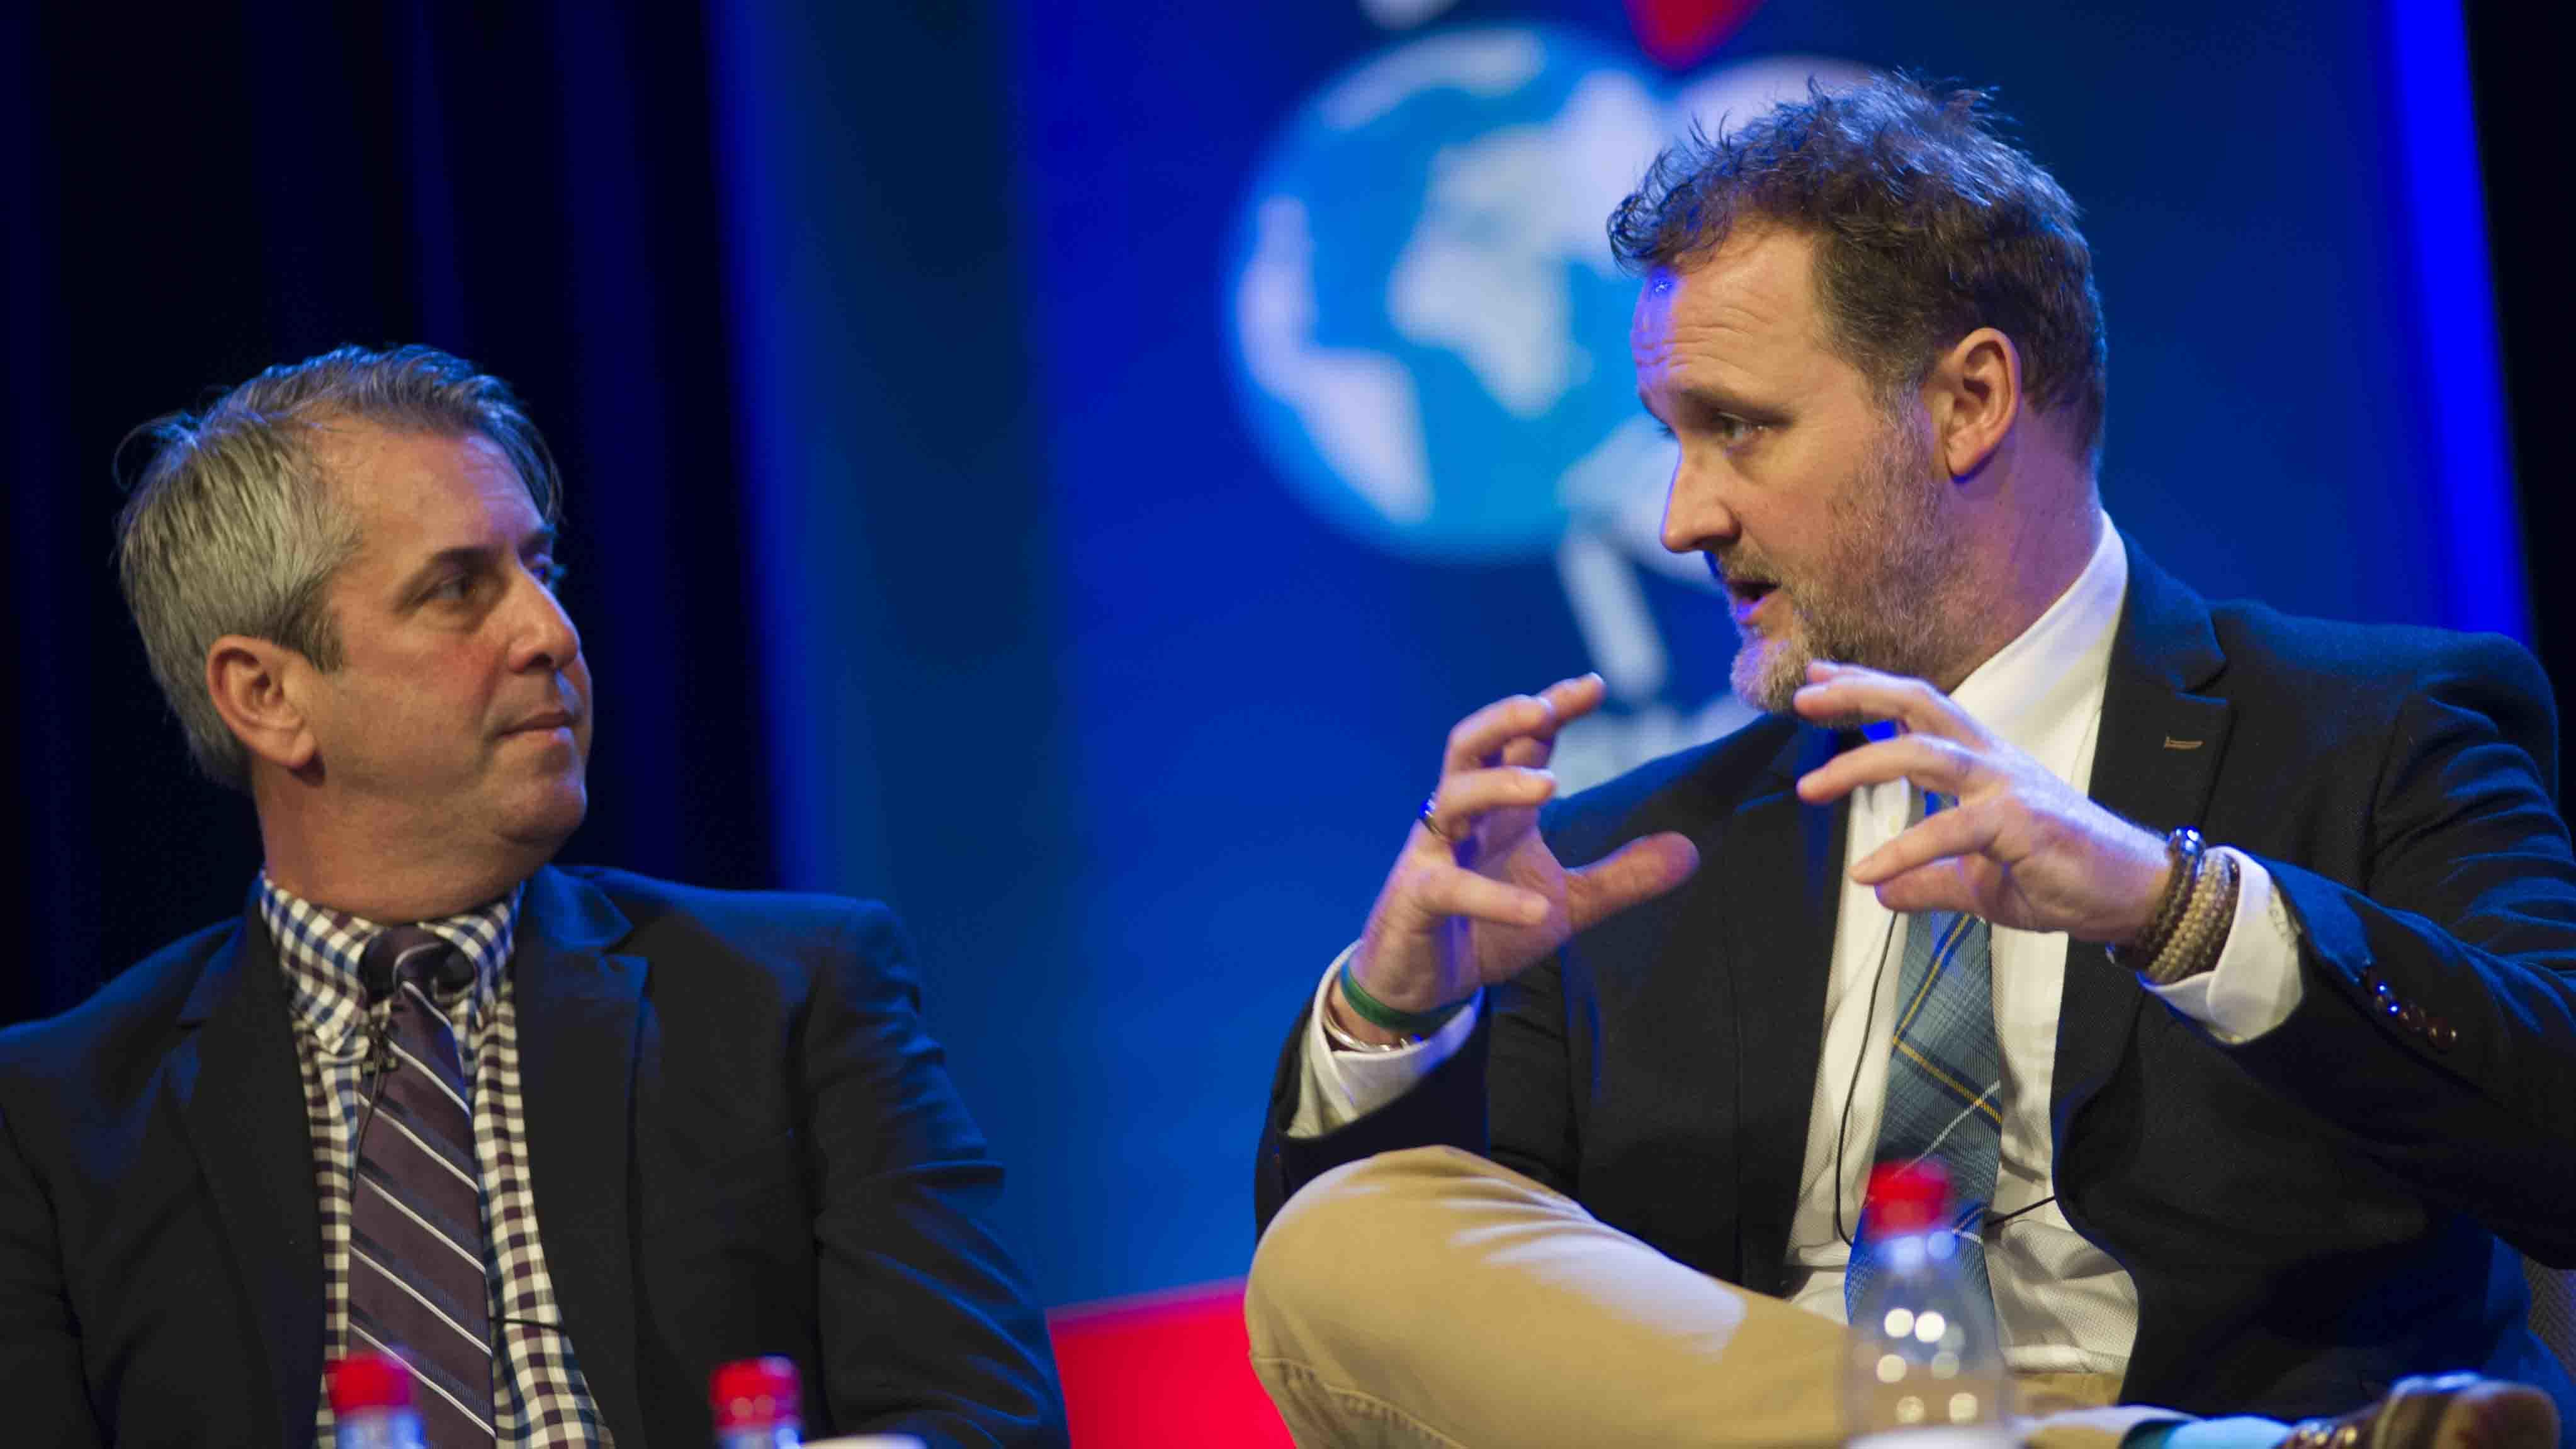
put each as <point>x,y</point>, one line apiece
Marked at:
<point>2438,1018</point>
<point>927,1324</point>
<point>1445,1108</point>
<point>40,1351</point>
<point>1502,1095</point>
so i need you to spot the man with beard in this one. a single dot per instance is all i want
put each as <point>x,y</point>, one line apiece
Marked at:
<point>2235,954</point>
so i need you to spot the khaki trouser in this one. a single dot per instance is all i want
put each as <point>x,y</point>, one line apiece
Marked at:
<point>1430,1297</point>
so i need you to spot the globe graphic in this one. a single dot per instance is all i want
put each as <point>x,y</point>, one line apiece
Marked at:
<point>1429,334</point>
<point>1429,330</point>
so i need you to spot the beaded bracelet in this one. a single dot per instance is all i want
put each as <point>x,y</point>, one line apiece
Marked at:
<point>2184,850</point>
<point>2203,934</point>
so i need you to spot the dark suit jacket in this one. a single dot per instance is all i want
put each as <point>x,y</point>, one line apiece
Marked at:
<point>2306,1216</point>
<point>742,1143</point>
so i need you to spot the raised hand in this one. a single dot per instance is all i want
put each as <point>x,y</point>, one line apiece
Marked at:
<point>1476,896</point>
<point>2021,848</point>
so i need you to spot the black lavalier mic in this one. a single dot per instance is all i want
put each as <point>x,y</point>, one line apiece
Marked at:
<point>376,974</point>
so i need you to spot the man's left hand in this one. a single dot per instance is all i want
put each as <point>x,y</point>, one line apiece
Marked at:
<point>2021,848</point>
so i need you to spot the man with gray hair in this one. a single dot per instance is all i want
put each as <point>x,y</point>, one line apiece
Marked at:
<point>2266,1124</point>
<point>565,1139</point>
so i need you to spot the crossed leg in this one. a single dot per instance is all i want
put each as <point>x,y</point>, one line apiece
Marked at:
<point>1432,1298</point>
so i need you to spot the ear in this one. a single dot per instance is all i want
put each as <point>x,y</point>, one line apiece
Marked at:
<point>1973,397</point>
<point>254,685</point>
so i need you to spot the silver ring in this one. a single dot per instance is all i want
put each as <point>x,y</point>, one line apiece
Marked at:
<point>1431,822</point>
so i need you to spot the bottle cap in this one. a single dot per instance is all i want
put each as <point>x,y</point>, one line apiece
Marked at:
<point>1907,1197</point>
<point>368,1380</point>
<point>754,1393</point>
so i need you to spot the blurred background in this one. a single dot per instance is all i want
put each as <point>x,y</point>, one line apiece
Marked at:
<point>1062,468</point>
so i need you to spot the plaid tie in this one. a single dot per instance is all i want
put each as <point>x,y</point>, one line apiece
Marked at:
<point>416,1247</point>
<point>1944,1080</point>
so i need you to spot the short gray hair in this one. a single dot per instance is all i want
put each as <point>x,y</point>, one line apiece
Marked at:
<point>233,529</point>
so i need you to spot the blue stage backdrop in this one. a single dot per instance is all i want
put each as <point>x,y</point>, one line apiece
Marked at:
<point>1288,364</point>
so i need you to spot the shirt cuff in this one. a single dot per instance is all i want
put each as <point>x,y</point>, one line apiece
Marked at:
<point>1337,1088</point>
<point>2255,985</point>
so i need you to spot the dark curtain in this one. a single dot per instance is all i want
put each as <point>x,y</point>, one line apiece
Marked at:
<point>195,195</point>
<point>2522,145</point>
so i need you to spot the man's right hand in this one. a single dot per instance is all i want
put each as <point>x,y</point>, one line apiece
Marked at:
<point>1481,897</point>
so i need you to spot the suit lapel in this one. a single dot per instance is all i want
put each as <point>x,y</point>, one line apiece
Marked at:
<point>239,1095</point>
<point>578,1006</point>
<point>2154,764</point>
<point>1780,907</point>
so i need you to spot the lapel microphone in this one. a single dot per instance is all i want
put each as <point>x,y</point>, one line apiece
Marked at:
<point>377,976</point>
<point>453,972</point>
<point>380,1060</point>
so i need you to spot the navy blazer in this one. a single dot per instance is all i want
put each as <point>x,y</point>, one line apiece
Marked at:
<point>2306,1216</point>
<point>742,1142</point>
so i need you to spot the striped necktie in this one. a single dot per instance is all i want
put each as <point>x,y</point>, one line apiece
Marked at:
<point>416,1245</point>
<point>1944,1080</point>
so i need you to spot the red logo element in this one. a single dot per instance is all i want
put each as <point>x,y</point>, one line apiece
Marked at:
<point>1680,32</point>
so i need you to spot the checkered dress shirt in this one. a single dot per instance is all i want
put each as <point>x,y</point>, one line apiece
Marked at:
<point>538,1395</point>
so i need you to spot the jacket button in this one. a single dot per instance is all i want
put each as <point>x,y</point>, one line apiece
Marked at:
<point>2412,1018</point>
<point>2441,1034</point>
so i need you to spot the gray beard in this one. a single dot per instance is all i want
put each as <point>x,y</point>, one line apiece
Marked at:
<point>1883,601</point>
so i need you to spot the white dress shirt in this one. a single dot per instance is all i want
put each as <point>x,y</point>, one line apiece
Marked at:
<point>2064,1305</point>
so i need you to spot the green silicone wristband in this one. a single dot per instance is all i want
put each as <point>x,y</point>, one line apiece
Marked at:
<point>1378,1014</point>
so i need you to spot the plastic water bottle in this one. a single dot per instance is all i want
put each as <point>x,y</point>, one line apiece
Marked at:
<point>756,1404</point>
<point>1927,1368</point>
<point>371,1403</point>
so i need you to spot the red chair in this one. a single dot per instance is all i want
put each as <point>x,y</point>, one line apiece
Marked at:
<point>1163,1369</point>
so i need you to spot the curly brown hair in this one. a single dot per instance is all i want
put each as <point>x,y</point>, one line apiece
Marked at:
<point>1929,224</point>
